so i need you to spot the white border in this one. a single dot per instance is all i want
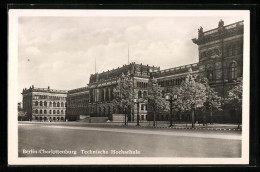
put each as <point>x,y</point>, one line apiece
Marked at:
<point>13,158</point>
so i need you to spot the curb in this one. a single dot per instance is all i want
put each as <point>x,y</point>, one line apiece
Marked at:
<point>188,128</point>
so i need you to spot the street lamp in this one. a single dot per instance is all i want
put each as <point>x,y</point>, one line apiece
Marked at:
<point>138,117</point>
<point>125,107</point>
<point>193,107</point>
<point>171,99</point>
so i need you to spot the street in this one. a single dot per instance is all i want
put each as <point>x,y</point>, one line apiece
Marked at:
<point>41,140</point>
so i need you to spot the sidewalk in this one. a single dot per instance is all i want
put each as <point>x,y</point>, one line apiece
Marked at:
<point>160,124</point>
<point>214,126</point>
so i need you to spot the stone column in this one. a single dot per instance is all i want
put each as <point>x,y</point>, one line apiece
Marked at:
<point>109,93</point>
<point>98,98</point>
<point>104,94</point>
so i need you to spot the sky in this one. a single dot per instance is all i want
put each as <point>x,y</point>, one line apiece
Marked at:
<point>60,52</point>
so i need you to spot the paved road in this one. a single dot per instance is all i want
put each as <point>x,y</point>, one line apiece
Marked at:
<point>63,141</point>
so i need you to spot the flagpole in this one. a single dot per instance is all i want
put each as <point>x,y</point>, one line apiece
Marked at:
<point>128,54</point>
<point>95,66</point>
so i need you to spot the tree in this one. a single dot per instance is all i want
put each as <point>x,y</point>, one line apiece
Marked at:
<point>155,100</point>
<point>235,98</point>
<point>192,94</point>
<point>213,101</point>
<point>123,93</point>
<point>177,103</point>
<point>22,115</point>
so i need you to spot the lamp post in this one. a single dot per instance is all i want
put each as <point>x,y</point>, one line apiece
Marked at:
<point>193,106</point>
<point>138,117</point>
<point>125,115</point>
<point>171,99</point>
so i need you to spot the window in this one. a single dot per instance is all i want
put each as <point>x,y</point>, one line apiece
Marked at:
<point>142,107</point>
<point>45,111</point>
<point>50,104</point>
<point>62,104</point>
<point>58,112</point>
<point>36,103</point>
<point>40,111</point>
<point>36,111</point>
<point>163,93</point>
<point>142,117</point>
<point>45,103</point>
<point>50,112</point>
<point>61,111</point>
<point>40,103</point>
<point>144,94</point>
<point>54,112</point>
<point>54,104</point>
<point>58,104</point>
<point>210,74</point>
<point>139,94</point>
<point>232,70</point>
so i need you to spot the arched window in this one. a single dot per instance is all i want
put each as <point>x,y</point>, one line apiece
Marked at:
<point>54,104</point>
<point>50,104</point>
<point>45,111</point>
<point>50,112</point>
<point>58,112</point>
<point>62,104</point>
<point>58,104</point>
<point>144,94</point>
<point>139,94</point>
<point>232,70</point>
<point>36,111</point>
<point>61,111</point>
<point>40,111</point>
<point>40,103</point>
<point>210,75</point>
<point>142,107</point>
<point>54,112</point>
<point>45,103</point>
<point>36,103</point>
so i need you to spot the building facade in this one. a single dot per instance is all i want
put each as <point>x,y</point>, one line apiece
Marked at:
<point>101,85</point>
<point>221,55</point>
<point>44,104</point>
<point>78,103</point>
<point>220,60</point>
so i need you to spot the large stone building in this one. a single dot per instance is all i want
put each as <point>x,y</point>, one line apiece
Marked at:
<point>78,103</point>
<point>221,55</point>
<point>101,87</point>
<point>220,60</point>
<point>44,104</point>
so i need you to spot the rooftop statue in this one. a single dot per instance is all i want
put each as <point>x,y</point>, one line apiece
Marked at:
<point>221,23</point>
<point>200,30</point>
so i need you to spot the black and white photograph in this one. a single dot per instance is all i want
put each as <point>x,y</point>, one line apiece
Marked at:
<point>128,87</point>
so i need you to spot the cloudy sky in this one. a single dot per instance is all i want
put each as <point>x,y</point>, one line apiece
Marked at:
<point>60,52</point>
